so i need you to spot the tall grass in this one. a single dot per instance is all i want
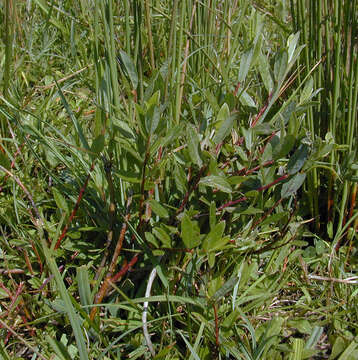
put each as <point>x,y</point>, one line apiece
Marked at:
<point>329,28</point>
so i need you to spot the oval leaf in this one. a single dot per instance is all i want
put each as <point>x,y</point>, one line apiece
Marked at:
<point>190,232</point>
<point>193,145</point>
<point>216,182</point>
<point>298,159</point>
<point>158,209</point>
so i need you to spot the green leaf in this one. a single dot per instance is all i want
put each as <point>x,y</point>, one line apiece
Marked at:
<point>158,209</point>
<point>212,100</point>
<point>297,349</point>
<point>292,185</point>
<point>223,124</point>
<point>60,200</point>
<point>265,72</point>
<point>214,285</point>
<point>211,259</point>
<point>274,219</point>
<point>98,144</point>
<point>43,6</point>
<point>59,348</point>
<point>4,160</point>
<point>193,353</point>
<point>223,114</point>
<point>129,68</point>
<point>298,159</point>
<point>152,114</point>
<point>340,344</point>
<point>75,121</point>
<point>216,182</point>
<point>291,45</point>
<point>245,64</point>
<point>228,286</point>
<point>283,147</point>
<point>307,90</point>
<point>348,352</point>
<point>315,337</point>
<point>248,136</point>
<point>246,100</point>
<point>280,67</point>
<point>163,236</point>
<point>212,214</point>
<point>84,286</point>
<point>193,145</point>
<point>224,130</point>
<point>73,316</point>
<point>190,232</point>
<point>302,325</point>
<point>214,240</point>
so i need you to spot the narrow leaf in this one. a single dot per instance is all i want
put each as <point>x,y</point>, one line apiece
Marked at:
<point>60,200</point>
<point>193,145</point>
<point>292,185</point>
<point>245,64</point>
<point>73,118</point>
<point>265,72</point>
<point>129,68</point>
<point>84,286</point>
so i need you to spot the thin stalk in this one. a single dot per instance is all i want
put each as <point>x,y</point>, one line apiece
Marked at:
<point>111,50</point>
<point>172,52</point>
<point>127,27</point>
<point>186,54</point>
<point>138,46</point>
<point>179,58</point>
<point>150,36</point>
<point>9,29</point>
<point>352,111</point>
<point>336,95</point>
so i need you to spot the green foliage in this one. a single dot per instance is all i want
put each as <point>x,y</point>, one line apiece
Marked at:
<point>170,136</point>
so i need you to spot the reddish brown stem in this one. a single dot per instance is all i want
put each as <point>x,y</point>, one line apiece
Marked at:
<point>216,328</point>
<point>74,211</point>
<point>37,255</point>
<point>281,178</point>
<point>233,202</point>
<point>262,188</point>
<point>125,268</point>
<point>237,87</point>
<point>246,171</point>
<point>18,152</point>
<point>261,112</point>
<point>28,263</point>
<point>191,189</point>
<point>106,283</point>
<point>18,292</point>
<point>266,214</point>
<point>353,200</point>
<point>11,271</point>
